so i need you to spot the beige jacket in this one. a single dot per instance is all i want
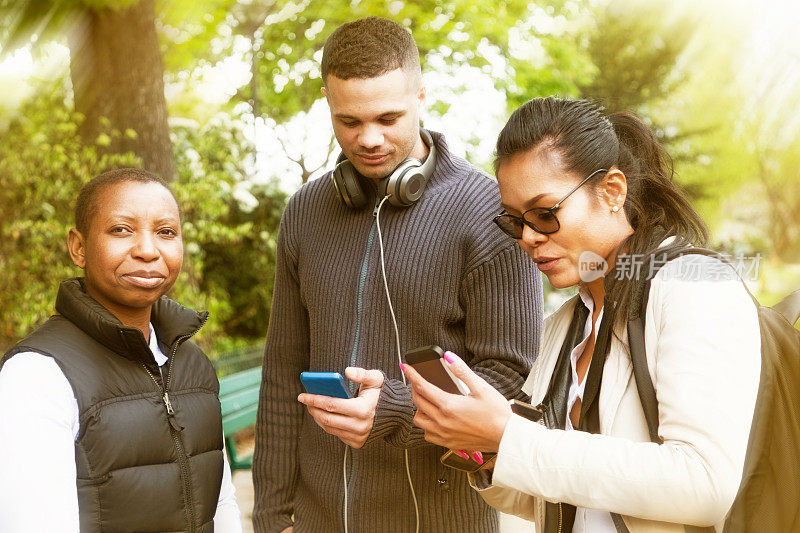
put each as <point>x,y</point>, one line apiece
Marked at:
<point>704,355</point>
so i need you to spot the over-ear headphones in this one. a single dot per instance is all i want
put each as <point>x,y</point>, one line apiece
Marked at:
<point>404,185</point>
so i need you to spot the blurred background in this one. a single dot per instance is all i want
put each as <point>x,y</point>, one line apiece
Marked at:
<point>222,98</point>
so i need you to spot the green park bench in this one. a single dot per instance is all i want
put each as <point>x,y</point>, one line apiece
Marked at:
<point>238,394</point>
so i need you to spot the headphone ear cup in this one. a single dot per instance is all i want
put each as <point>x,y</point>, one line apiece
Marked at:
<point>346,184</point>
<point>408,187</point>
<point>406,184</point>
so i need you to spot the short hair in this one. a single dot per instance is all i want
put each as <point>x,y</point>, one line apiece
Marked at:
<point>86,204</point>
<point>368,48</point>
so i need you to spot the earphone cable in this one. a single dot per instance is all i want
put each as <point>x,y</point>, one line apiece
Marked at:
<point>397,340</point>
<point>344,478</point>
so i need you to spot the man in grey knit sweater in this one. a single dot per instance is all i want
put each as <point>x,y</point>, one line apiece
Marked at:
<point>455,280</point>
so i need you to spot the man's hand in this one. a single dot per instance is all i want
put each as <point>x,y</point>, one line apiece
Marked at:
<point>351,420</point>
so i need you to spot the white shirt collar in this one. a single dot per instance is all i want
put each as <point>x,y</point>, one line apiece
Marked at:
<point>158,355</point>
<point>586,297</point>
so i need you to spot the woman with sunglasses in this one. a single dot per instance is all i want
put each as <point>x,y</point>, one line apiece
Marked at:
<point>585,194</point>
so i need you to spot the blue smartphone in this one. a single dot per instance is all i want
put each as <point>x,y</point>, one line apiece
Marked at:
<point>325,383</point>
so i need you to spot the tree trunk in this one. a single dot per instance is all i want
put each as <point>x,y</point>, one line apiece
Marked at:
<point>117,73</point>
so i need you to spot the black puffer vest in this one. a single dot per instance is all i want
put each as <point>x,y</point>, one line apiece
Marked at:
<point>148,454</point>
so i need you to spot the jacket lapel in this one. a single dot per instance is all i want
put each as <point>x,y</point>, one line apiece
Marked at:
<point>554,331</point>
<point>616,373</point>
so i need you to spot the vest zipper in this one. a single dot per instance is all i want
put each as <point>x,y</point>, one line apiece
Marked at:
<point>175,428</point>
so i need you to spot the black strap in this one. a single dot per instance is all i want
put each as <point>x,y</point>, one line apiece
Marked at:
<point>590,406</point>
<point>636,316</point>
<point>641,372</point>
<point>560,516</point>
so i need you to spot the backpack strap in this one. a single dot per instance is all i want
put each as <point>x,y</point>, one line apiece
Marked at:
<point>641,373</point>
<point>789,307</point>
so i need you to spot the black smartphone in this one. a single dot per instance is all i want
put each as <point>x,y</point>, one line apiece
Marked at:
<point>526,410</point>
<point>429,362</point>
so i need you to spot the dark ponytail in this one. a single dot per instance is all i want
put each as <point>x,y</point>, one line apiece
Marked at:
<point>655,206</point>
<point>654,201</point>
<point>587,140</point>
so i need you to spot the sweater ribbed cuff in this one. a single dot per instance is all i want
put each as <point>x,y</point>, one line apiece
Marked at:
<point>271,524</point>
<point>394,416</point>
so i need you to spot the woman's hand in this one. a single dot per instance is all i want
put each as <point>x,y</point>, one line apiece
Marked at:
<point>474,422</point>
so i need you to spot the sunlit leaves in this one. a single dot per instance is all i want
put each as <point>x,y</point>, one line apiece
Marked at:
<point>286,38</point>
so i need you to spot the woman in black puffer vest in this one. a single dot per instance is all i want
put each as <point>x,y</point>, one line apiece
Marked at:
<point>118,408</point>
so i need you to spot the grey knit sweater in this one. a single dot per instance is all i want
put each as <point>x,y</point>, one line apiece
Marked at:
<point>455,281</point>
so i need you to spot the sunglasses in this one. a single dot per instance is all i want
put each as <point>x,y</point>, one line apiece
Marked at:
<point>540,219</point>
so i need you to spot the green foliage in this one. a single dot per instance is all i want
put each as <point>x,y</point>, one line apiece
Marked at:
<point>42,166</point>
<point>779,176</point>
<point>230,228</point>
<point>549,54</point>
<point>635,48</point>
<point>772,137</point>
<point>24,19</point>
<point>39,20</point>
<point>187,29</point>
<point>641,55</point>
<point>286,39</point>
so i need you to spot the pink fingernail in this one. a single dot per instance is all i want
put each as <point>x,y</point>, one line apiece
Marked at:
<point>462,454</point>
<point>402,368</point>
<point>448,356</point>
<point>478,457</point>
